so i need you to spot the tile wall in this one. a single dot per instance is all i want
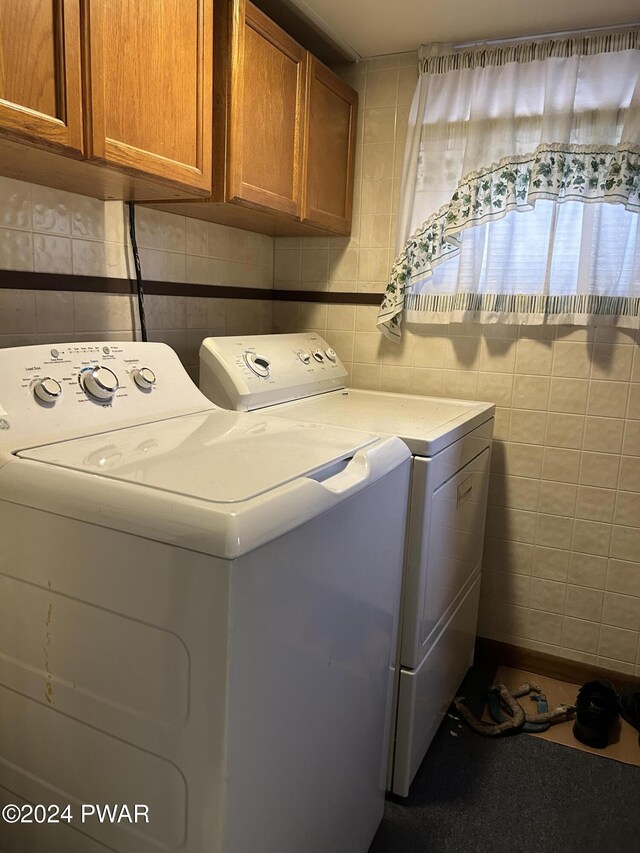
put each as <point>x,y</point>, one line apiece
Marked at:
<point>562,558</point>
<point>45,230</point>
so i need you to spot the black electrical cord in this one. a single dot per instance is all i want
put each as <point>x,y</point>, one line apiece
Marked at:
<point>136,261</point>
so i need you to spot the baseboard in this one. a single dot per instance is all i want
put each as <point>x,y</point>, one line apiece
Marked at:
<point>504,654</point>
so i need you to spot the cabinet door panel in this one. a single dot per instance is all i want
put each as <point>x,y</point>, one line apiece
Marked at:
<point>331,125</point>
<point>265,133</point>
<point>40,79</point>
<point>149,75</point>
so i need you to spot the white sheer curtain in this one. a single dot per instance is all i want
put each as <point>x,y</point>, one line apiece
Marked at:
<point>521,186</point>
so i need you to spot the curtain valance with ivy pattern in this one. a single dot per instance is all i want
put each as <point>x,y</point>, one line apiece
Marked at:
<point>557,262</point>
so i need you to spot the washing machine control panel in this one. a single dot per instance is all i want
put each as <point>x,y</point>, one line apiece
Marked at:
<point>251,372</point>
<point>49,392</point>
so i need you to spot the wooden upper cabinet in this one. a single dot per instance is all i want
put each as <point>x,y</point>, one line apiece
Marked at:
<point>283,132</point>
<point>148,76</point>
<point>265,114</point>
<point>40,76</point>
<point>330,152</point>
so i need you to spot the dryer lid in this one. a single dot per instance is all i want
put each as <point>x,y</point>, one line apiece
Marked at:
<point>220,457</point>
<point>426,424</point>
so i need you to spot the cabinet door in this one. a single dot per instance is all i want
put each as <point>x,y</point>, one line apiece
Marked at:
<point>268,77</point>
<point>149,79</point>
<point>331,126</point>
<point>40,78</point>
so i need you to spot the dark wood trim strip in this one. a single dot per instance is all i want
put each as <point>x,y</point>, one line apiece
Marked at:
<point>100,284</point>
<point>331,297</point>
<point>21,280</point>
<point>562,669</point>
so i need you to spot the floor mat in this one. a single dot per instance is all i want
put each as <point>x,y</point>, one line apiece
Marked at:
<point>626,746</point>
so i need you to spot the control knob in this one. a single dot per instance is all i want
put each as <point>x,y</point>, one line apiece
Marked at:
<point>257,363</point>
<point>331,354</point>
<point>48,390</point>
<point>144,378</point>
<point>100,382</point>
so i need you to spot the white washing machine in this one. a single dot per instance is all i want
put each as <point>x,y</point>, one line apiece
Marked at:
<point>300,376</point>
<point>192,620</point>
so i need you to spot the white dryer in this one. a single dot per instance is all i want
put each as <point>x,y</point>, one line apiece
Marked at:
<point>300,376</point>
<point>191,617</point>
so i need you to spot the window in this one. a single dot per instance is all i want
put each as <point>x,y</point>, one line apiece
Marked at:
<point>521,186</point>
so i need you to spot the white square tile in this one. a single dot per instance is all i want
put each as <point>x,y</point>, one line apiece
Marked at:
<point>611,361</point>
<point>547,595</point>
<point>554,531</point>
<point>624,577</point>
<point>90,312</point>
<point>54,311</point>
<point>622,611</point>
<point>603,434</point>
<point>608,399</point>
<point>568,395</point>
<point>595,504</point>
<point>580,634</point>
<point>156,229</point>
<point>599,469</point>
<point>51,210</point>
<point>544,627</point>
<point>629,473</point>
<point>627,512</point>
<point>557,498</point>
<point>588,570</point>
<point>15,204</point>
<point>16,250</point>
<point>52,254</point>
<point>591,537</point>
<point>88,218</point>
<point>379,124</point>
<point>17,312</point>
<point>561,464</point>
<point>618,643</point>
<point>88,258</point>
<point>550,563</point>
<point>572,359</point>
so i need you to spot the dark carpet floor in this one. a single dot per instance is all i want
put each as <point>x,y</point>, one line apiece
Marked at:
<point>516,794</point>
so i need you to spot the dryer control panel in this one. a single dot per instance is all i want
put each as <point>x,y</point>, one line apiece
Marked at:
<point>62,391</point>
<point>251,372</point>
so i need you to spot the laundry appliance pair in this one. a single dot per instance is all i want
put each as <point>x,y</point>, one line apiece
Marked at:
<point>198,611</point>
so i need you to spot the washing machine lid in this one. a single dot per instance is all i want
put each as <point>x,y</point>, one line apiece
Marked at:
<point>222,483</point>
<point>220,457</point>
<point>426,424</point>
